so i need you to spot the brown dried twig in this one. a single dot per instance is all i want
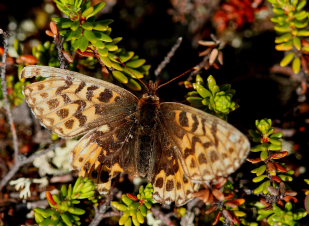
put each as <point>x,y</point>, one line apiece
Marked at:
<point>168,57</point>
<point>100,213</point>
<point>7,105</point>
<point>18,164</point>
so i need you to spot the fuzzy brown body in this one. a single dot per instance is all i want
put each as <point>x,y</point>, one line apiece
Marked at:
<point>147,120</point>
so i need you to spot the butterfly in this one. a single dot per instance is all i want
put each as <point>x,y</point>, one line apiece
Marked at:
<point>175,146</point>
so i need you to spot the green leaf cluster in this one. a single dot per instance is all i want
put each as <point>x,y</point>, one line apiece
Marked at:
<point>292,22</point>
<point>92,37</point>
<point>135,208</point>
<point>211,97</point>
<point>286,216</point>
<point>64,211</point>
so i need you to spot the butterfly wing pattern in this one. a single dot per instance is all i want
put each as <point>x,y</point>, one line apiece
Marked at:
<point>71,104</point>
<point>201,147</point>
<point>188,146</point>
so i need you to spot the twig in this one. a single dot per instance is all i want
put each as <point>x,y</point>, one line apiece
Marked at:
<point>163,217</point>
<point>23,162</point>
<point>168,57</point>
<point>59,44</point>
<point>5,95</point>
<point>100,213</point>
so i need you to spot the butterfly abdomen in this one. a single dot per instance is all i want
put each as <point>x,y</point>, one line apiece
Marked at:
<point>147,127</point>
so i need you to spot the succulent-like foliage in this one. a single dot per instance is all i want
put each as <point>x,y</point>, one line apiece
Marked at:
<point>275,205</point>
<point>292,22</point>
<point>64,209</point>
<point>90,37</point>
<point>135,208</point>
<point>212,98</point>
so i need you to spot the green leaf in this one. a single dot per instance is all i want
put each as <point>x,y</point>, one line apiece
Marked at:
<point>301,15</point>
<point>297,43</point>
<point>134,85</point>
<point>123,79</point>
<point>264,155</point>
<point>82,43</point>
<point>102,25</point>
<point>296,65</point>
<point>87,26</point>
<point>301,5</point>
<point>103,37</point>
<point>136,63</point>
<point>212,84</point>
<point>259,178</point>
<point>87,12</point>
<point>90,36</point>
<point>75,25</point>
<point>287,59</point>
<point>202,91</point>
<point>97,9</point>
<point>303,33</point>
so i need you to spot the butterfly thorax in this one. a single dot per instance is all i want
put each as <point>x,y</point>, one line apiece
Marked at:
<point>147,119</point>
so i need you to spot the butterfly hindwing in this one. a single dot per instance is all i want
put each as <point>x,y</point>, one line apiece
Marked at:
<point>207,146</point>
<point>70,104</point>
<point>105,152</point>
<point>169,180</point>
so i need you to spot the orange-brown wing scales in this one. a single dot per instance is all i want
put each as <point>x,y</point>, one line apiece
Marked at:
<point>169,181</point>
<point>104,153</point>
<point>208,147</point>
<point>70,104</point>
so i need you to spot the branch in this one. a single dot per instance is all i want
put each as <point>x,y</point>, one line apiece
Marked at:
<point>5,95</point>
<point>100,213</point>
<point>22,162</point>
<point>168,57</point>
<point>59,44</point>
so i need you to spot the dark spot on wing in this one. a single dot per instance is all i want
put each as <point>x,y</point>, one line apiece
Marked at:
<point>63,113</point>
<point>104,177</point>
<point>81,118</point>
<point>169,185</point>
<point>159,182</point>
<point>195,123</point>
<point>69,124</point>
<point>52,104</point>
<point>80,87</point>
<point>105,96</point>
<point>44,95</point>
<point>188,152</point>
<point>214,156</point>
<point>183,119</point>
<point>41,86</point>
<point>202,158</point>
<point>89,93</point>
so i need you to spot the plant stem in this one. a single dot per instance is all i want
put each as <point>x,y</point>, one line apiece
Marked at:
<point>5,96</point>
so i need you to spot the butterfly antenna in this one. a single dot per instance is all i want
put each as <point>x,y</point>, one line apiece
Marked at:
<point>124,65</point>
<point>168,57</point>
<point>183,74</point>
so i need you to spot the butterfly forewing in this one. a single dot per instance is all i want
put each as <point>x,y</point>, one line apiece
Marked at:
<point>207,146</point>
<point>71,104</point>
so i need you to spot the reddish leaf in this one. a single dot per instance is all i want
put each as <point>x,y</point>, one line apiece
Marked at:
<point>280,168</point>
<point>279,155</point>
<point>133,197</point>
<point>218,194</point>
<point>217,219</point>
<point>254,161</point>
<point>276,178</point>
<point>50,198</point>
